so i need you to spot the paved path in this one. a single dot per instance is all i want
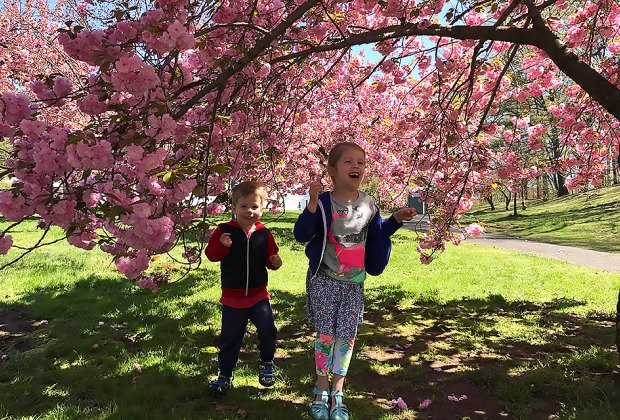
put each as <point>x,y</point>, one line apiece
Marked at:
<point>578,256</point>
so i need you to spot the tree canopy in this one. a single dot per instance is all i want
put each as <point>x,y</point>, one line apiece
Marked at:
<point>123,137</point>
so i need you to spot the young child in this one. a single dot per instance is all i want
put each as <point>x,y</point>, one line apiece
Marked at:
<point>245,249</point>
<point>347,239</point>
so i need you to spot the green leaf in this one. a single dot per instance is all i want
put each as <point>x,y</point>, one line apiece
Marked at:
<point>219,168</point>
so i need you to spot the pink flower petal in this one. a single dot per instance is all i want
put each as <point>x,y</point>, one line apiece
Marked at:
<point>400,403</point>
<point>424,404</point>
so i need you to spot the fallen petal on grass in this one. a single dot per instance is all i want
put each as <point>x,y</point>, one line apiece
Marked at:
<point>398,403</point>
<point>424,404</point>
<point>455,398</point>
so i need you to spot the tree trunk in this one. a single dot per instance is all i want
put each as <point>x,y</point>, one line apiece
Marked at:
<point>538,195</point>
<point>489,199</point>
<point>615,167</point>
<point>618,323</point>
<point>514,205</point>
<point>523,194</point>
<point>560,187</point>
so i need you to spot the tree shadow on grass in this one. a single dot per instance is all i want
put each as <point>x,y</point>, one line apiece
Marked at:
<point>515,359</point>
<point>77,346</point>
<point>512,359</point>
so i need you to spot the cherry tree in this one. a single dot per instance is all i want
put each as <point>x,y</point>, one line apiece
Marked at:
<point>183,96</point>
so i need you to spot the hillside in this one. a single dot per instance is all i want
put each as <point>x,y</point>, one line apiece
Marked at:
<point>587,220</point>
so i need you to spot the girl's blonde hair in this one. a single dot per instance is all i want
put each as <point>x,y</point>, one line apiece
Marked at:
<point>338,150</point>
<point>246,188</point>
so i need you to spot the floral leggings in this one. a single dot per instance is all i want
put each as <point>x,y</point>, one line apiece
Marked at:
<point>336,309</point>
<point>332,353</point>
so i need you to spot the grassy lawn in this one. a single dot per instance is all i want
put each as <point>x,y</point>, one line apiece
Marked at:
<point>522,337</point>
<point>586,220</point>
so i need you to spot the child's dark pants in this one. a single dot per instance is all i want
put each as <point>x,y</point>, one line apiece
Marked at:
<point>234,322</point>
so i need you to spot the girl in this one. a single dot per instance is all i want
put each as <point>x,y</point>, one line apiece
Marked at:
<point>347,239</point>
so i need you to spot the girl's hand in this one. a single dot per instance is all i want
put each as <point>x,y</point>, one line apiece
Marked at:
<point>404,214</point>
<point>276,261</point>
<point>225,240</point>
<point>314,188</point>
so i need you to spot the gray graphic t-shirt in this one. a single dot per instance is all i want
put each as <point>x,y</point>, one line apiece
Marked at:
<point>346,239</point>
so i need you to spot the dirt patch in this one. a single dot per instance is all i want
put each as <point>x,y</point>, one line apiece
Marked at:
<point>15,328</point>
<point>457,400</point>
<point>449,398</point>
<point>16,322</point>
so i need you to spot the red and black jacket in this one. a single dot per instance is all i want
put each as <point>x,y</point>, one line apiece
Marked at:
<point>244,264</point>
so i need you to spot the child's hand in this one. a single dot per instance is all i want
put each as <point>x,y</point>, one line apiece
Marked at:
<point>276,261</point>
<point>314,189</point>
<point>225,240</point>
<point>406,213</point>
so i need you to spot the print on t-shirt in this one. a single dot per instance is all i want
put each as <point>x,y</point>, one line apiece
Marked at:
<point>346,239</point>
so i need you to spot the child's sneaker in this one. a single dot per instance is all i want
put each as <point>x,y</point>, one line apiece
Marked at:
<point>266,376</point>
<point>221,385</point>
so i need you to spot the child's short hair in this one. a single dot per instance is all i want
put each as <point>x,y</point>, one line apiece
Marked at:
<point>338,150</point>
<point>248,187</point>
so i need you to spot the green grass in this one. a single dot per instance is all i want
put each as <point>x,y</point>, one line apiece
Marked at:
<point>587,220</point>
<point>519,335</point>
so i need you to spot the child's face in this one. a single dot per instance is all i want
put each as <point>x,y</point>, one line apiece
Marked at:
<point>349,170</point>
<point>248,210</point>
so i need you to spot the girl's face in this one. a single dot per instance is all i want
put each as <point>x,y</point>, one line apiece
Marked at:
<point>248,209</point>
<point>349,170</point>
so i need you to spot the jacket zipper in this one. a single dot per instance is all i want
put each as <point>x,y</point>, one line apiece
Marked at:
<point>247,268</point>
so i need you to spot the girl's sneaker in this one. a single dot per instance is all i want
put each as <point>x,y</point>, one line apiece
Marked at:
<point>221,385</point>
<point>266,375</point>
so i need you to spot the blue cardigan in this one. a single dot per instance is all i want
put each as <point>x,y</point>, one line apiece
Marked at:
<point>312,228</point>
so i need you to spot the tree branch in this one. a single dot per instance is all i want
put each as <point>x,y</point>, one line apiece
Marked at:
<point>598,87</point>
<point>261,45</point>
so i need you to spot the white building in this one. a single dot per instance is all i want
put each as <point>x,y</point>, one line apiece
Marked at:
<point>295,201</point>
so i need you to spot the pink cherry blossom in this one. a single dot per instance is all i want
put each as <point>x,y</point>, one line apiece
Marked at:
<point>6,241</point>
<point>474,229</point>
<point>129,127</point>
<point>424,404</point>
<point>132,265</point>
<point>215,208</point>
<point>456,398</point>
<point>398,403</point>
